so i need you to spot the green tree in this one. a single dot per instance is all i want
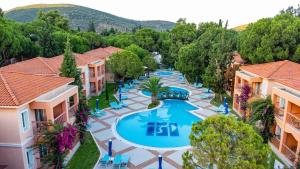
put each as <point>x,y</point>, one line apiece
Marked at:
<point>91,27</point>
<point>54,18</point>
<point>1,13</point>
<point>154,86</point>
<point>262,116</point>
<point>121,40</point>
<point>147,38</point>
<point>140,52</point>
<point>225,142</point>
<point>125,64</point>
<point>182,34</point>
<point>271,39</point>
<point>150,63</point>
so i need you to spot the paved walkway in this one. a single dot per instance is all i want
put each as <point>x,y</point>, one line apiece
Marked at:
<point>142,158</point>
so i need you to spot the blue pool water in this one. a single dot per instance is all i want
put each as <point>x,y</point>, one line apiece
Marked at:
<point>166,127</point>
<point>164,73</point>
<point>176,89</point>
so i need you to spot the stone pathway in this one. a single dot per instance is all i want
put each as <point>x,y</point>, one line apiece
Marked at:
<point>140,158</point>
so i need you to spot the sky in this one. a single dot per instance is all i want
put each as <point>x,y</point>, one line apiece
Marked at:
<point>237,12</point>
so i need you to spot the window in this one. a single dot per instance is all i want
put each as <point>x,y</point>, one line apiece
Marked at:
<point>25,120</point>
<point>71,101</point>
<point>281,103</point>
<point>43,150</point>
<point>30,158</point>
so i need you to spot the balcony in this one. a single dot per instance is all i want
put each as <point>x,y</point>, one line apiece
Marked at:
<point>289,153</point>
<point>294,120</point>
<point>61,119</point>
<point>279,113</point>
<point>275,141</point>
<point>73,110</point>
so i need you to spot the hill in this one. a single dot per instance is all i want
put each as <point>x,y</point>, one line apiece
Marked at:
<point>80,16</point>
<point>240,27</point>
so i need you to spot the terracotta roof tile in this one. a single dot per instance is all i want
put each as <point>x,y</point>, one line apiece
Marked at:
<point>19,88</point>
<point>32,66</point>
<point>284,72</point>
<point>103,53</point>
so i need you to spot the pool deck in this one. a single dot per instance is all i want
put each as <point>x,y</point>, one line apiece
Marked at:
<point>140,158</point>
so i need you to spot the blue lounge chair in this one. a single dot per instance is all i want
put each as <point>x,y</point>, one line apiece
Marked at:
<point>198,85</point>
<point>124,97</point>
<point>115,105</point>
<point>136,82</point>
<point>124,160</point>
<point>117,161</point>
<point>182,81</point>
<point>98,113</point>
<point>104,161</point>
<point>123,104</point>
<point>128,86</point>
<point>124,90</point>
<point>206,90</point>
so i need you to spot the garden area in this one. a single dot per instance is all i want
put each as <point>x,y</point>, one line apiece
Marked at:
<point>103,102</point>
<point>86,156</point>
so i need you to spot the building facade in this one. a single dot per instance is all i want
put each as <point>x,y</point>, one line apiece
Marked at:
<point>281,81</point>
<point>27,102</point>
<point>32,93</point>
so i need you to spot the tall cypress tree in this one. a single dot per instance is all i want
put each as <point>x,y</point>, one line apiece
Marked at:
<point>91,27</point>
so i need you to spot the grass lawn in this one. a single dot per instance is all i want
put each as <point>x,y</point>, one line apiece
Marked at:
<point>86,156</point>
<point>103,103</point>
<point>217,101</point>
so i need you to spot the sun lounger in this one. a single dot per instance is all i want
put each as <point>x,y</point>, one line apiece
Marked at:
<point>124,97</point>
<point>123,104</point>
<point>104,161</point>
<point>117,161</point>
<point>124,160</point>
<point>198,85</point>
<point>98,113</point>
<point>115,105</point>
<point>206,90</point>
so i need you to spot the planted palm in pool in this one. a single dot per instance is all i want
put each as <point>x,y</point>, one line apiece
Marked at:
<point>168,126</point>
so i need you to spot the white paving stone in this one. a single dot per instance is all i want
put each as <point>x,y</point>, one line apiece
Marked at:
<point>138,156</point>
<point>110,120</point>
<point>118,145</point>
<point>137,106</point>
<point>164,165</point>
<point>139,99</point>
<point>103,135</point>
<point>96,126</point>
<point>177,156</point>
<point>121,111</point>
<point>128,101</point>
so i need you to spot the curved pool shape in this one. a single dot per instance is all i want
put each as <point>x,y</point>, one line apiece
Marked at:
<point>164,73</point>
<point>175,89</point>
<point>168,126</point>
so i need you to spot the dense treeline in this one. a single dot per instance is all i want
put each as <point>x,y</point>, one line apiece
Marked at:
<point>45,36</point>
<point>202,52</point>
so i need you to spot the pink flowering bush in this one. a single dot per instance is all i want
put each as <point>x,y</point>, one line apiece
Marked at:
<point>244,98</point>
<point>66,138</point>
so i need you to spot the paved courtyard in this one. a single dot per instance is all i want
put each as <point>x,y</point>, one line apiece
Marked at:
<point>141,158</point>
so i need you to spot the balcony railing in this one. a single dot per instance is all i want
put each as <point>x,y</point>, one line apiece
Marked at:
<point>293,120</point>
<point>290,154</point>
<point>61,118</point>
<point>73,110</point>
<point>275,141</point>
<point>40,126</point>
<point>279,112</point>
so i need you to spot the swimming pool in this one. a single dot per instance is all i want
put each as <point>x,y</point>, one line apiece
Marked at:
<point>164,73</point>
<point>175,89</point>
<point>168,126</point>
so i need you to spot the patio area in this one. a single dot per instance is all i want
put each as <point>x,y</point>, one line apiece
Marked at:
<point>140,158</point>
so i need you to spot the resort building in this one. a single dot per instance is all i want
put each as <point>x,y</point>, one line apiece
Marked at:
<point>91,64</point>
<point>104,54</point>
<point>281,81</point>
<point>27,103</point>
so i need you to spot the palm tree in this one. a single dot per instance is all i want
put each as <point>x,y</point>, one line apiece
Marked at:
<point>154,86</point>
<point>262,115</point>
